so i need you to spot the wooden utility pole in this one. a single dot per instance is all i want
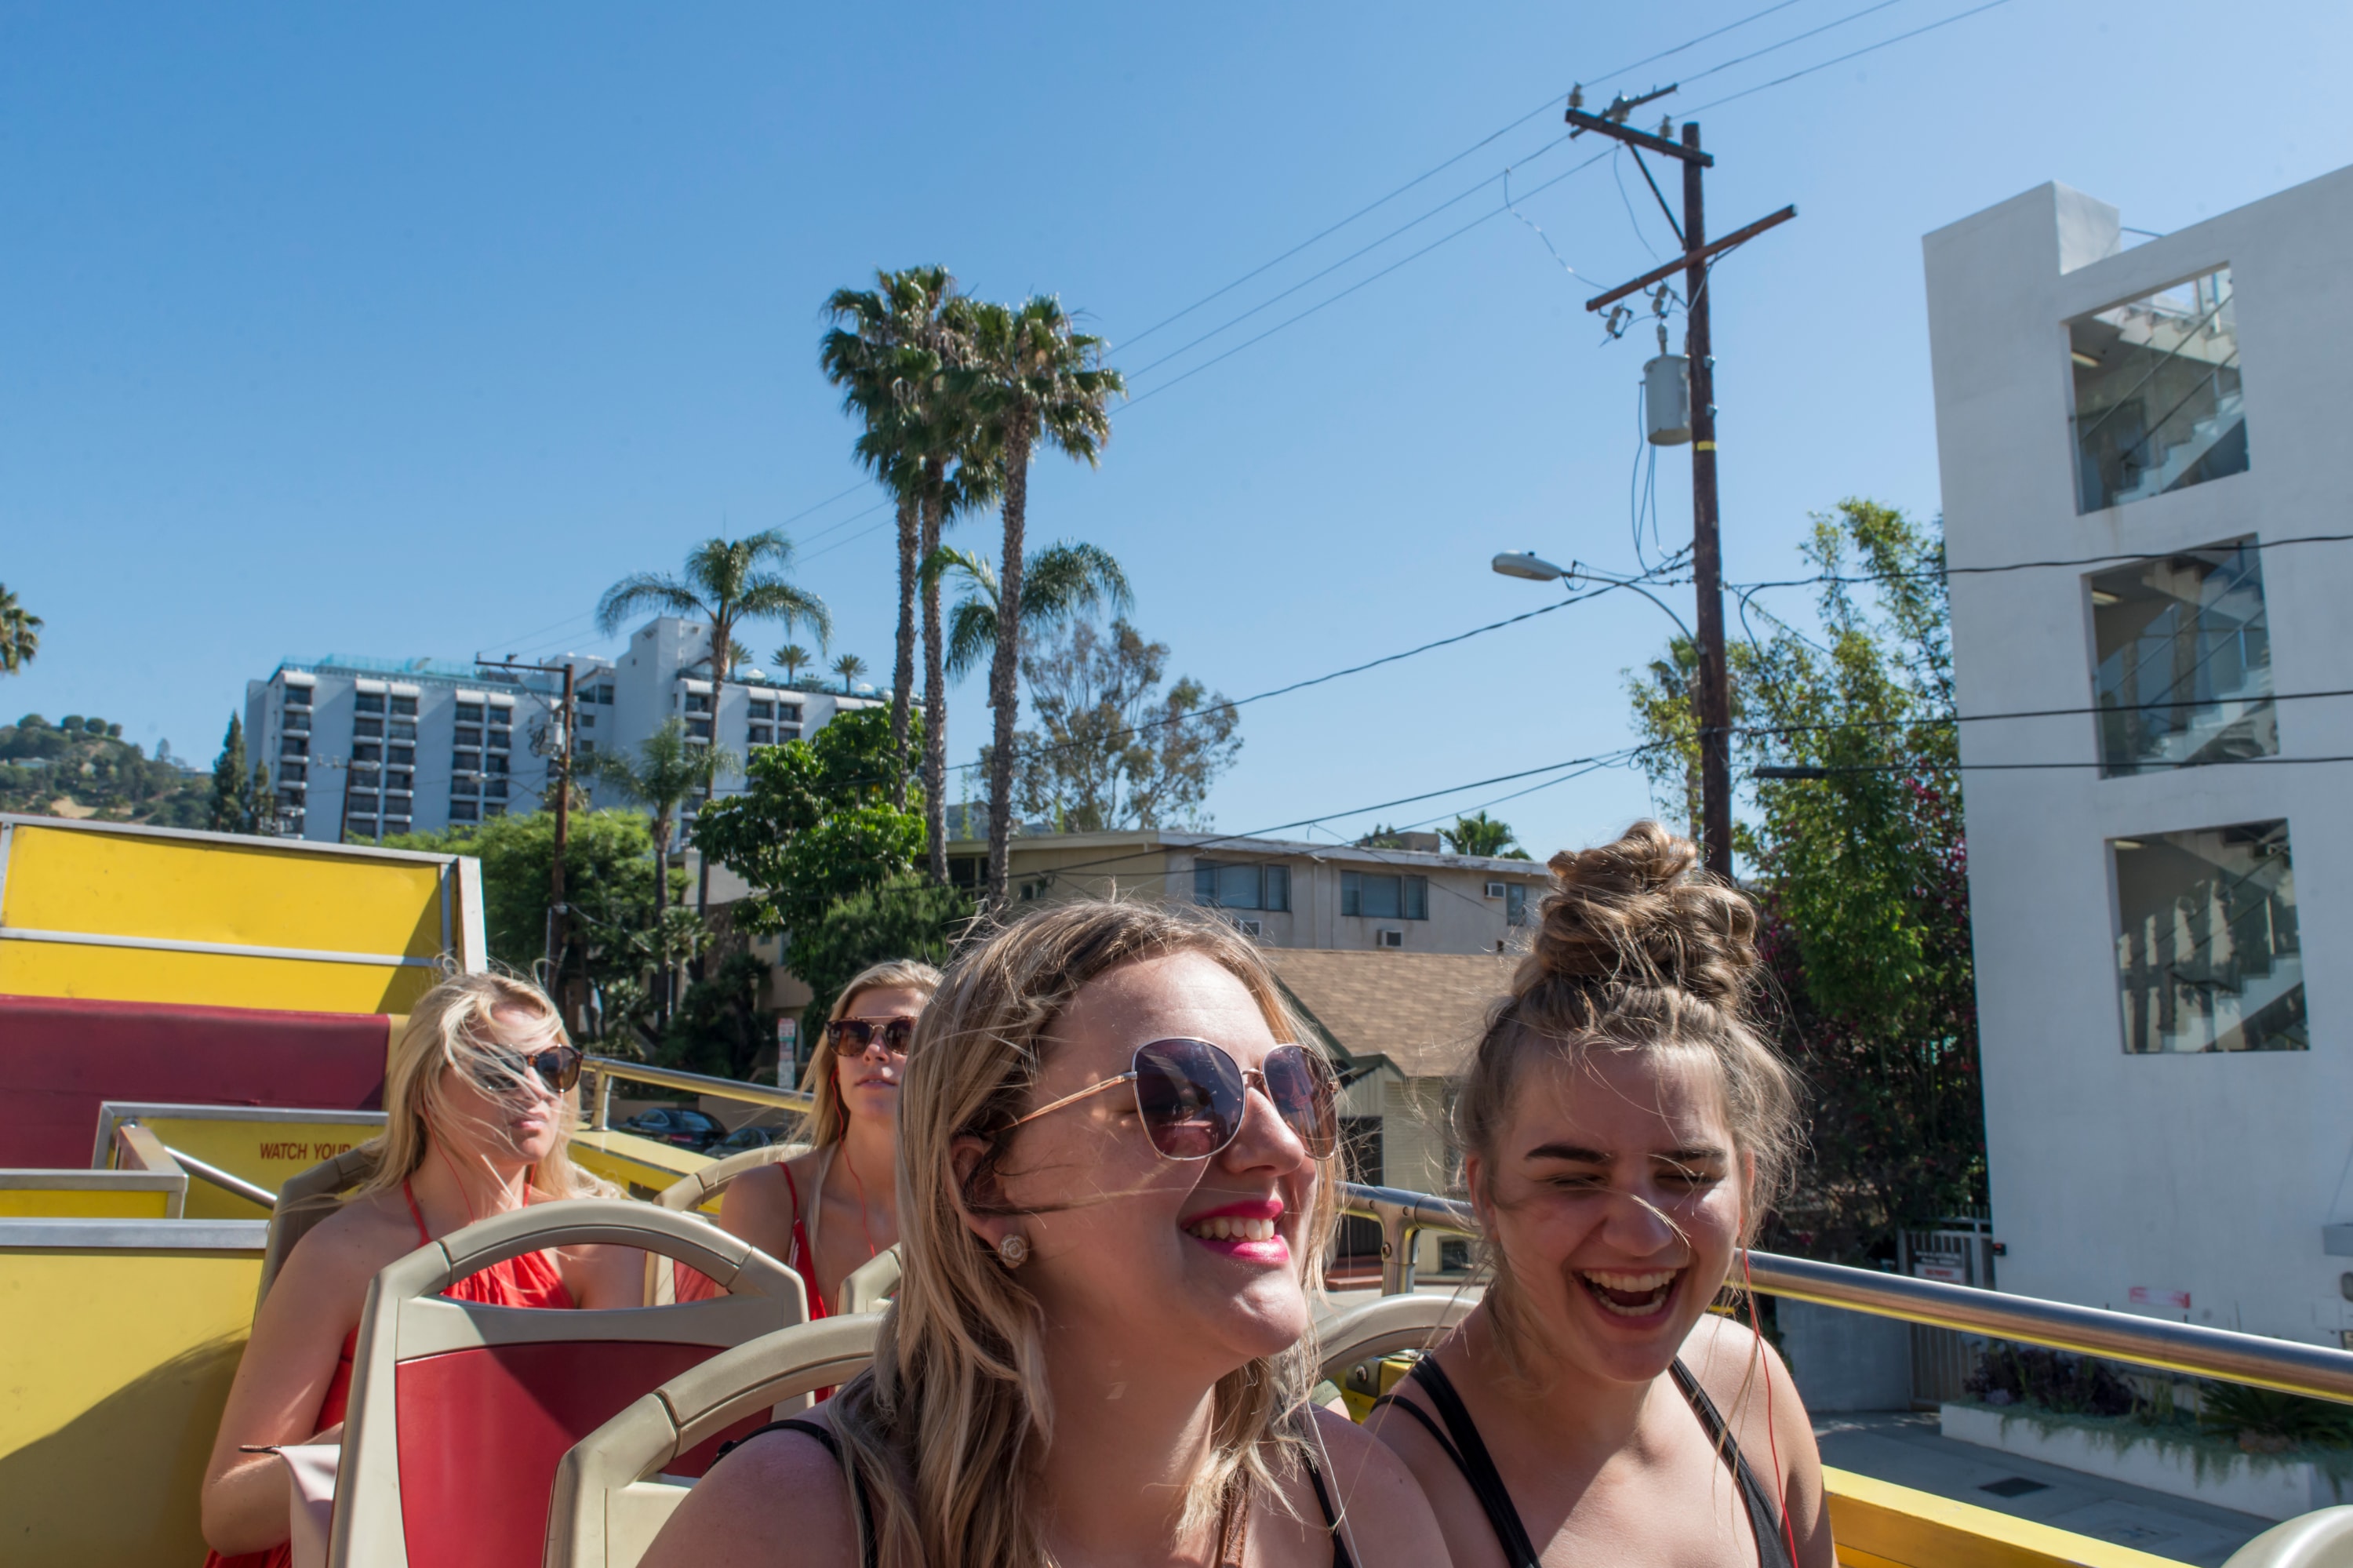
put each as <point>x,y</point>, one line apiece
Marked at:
<point>1713,698</point>
<point>559,912</point>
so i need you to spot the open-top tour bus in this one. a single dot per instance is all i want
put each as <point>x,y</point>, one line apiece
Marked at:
<point>193,1037</point>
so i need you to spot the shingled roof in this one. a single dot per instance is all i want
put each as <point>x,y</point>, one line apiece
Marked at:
<point>1421,1011</point>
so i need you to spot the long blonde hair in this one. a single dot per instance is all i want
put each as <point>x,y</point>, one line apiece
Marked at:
<point>829,1122</point>
<point>1638,952</point>
<point>452,1026</point>
<point>944,1433</point>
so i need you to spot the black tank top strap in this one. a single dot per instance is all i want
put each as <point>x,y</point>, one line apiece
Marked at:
<point>869,1553</point>
<point>1471,1457</point>
<point>1763,1514</point>
<point>1340,1558</point>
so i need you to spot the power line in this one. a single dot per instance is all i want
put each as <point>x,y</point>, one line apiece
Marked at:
<point>1777,81</point>
<point>2089,711</point>
<point>1953,571</point>
<point>2138,767</point>
<point>1785,43</point>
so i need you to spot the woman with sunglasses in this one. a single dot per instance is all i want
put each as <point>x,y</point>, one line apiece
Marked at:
<point>478,1118</point>
<point>823,1212</point>
<point>1624,1129</point>
<point>1115,1177</point>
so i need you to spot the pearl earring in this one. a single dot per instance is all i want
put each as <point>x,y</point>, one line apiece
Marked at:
<point>1014,1250</point>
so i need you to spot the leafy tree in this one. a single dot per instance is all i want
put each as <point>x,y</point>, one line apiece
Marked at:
<point>794,658</point>
<point>1863,876</point>
<point>109,779</point>
<point>20,633</point>
<point>815,823</point>
<point>849,666</point>
<point>907,916</point>
<point>1032,376</point>
<point>232,809</point>
<point>1063,580</point>
<point>719,1027</point>
<point>1112,748</point>
<point>725,585</point>
<point>662,775</point>
<point>1483,835</point>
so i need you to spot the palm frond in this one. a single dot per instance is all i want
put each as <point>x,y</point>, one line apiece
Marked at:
<point>643,590</point>
<point>1066,578</point>
<point>972,634</point>
<point>773,598</point>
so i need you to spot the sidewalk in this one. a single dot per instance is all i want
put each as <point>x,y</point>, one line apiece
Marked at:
<point>1906,1449</point>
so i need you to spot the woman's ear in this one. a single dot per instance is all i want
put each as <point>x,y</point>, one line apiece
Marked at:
<point>977,1183</point>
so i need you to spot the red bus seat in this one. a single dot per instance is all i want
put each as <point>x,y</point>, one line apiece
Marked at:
<point>459,1412</point>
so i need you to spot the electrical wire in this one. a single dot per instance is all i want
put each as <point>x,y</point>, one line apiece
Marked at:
<point>1785,43</point>
<point>1857,54</point>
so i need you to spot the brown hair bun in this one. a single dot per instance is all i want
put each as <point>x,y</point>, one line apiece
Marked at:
<point>1639,912</point>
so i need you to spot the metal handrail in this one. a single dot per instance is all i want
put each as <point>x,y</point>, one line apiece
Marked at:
<point>608,1068</point>
<point>224,1179</point>
<point>2184,1348</point>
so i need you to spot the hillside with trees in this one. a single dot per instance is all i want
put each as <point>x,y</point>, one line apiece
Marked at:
<point>81,766</point>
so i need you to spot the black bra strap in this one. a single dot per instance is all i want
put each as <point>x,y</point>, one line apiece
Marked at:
<point>833,1446</point>
<point>1340,1558</point>
<point>1763,1517</point>
<point>1471,1457</point>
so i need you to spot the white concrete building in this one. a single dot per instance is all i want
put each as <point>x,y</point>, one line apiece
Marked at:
<point>2157,849</point>
<point>359,748</point>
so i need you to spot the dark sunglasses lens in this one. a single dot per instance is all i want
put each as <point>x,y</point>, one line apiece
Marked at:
<point>896,1035</point>
<point>1190,1093</point>
<point>559,1067</point>
<point>1305,1093</point>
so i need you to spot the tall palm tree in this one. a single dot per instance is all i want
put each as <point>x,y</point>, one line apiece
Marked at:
<point>792,656</point>
<point>724,584</point>
<point>849,666</point>
<point>885,352</point>
<point>662,777</point>
<point>1059,583</point>
<point>1033,378</point>
<point>20,633</point>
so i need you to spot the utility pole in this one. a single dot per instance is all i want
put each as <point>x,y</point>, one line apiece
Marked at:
<point>1714,704</point>
<point>559,912</point>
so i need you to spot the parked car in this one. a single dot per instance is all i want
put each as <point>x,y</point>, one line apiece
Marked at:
<point>746,1138</point>
<point>686,1128</point>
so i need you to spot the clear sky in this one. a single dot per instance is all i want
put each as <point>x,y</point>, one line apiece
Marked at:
<point>406,330</point>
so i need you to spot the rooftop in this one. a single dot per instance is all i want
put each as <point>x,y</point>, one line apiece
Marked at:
<point>1422,1011</point>
<point>1214,845</point>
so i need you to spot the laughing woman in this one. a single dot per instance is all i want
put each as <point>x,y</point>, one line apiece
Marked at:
<point>1113,1171</point>
<point>1624,1130</point>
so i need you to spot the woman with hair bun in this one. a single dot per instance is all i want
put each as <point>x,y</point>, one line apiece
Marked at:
<point>1624,1131</point>
<point>480,1114</point>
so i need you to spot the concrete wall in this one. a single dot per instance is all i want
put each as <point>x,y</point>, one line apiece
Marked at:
<point>1846,1360</point>
<point>2210,1174</point>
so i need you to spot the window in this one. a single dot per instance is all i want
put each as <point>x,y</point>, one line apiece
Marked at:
<point>464,812</point>
<point>1515,903</point>
<point>293,772</point>
<point>495,762</point>
<point>466,761</point>
<point>2157,404</point>
<point>465,784</point>
<point>403,707</point>
<point>400,778</point>
<point>293,745</point>
<point>588,749</point>
<point>499,739</point>
<point>2185,660</point>
<point>698,702</point>
<point>587,721</point>
<point>467,735</point>
<point>492,809</point>
<point>396,824</point>
<point>789,712</point>
<point>700,728</point>
<point>290,802</point>
<point>785,732</point>
<point>470,713</point>
<point>1385,897</point>
<point>762,735</point>
<point>361,801</point>
<point>2207,953</point>
<point>367,726</point>
<point>400,755</point>
<point>494,789</point>
<point>368,703</point>
<point>763,712</point>
<point>298,720</point>
<point>1227,886</point>
<point>401,730</point>
<point>364,826</point>
<point>298,696</point>
<point>604,694</point>
<point>366,751</point>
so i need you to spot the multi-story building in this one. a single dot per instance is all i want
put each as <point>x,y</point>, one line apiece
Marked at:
<point>2144,503</point>
<point>361,747</point>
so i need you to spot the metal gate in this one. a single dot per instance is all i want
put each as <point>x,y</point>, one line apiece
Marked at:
<point>1959,1251</point>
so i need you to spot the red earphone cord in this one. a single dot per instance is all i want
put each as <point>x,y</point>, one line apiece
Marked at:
<point>1772,1443</point>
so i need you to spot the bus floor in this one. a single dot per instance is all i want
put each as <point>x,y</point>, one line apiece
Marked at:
<point>1906,1449</point>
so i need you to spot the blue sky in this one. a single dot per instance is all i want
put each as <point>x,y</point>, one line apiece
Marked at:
<point>403,331</point>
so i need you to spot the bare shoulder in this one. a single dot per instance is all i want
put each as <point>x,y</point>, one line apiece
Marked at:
<point>1388,1519</point>
<point>778,1499</point>
<point>356,1241</point>
<point>766,1194</point>
<point>1733,1365</point>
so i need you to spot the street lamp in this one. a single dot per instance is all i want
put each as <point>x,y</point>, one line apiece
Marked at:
<point>1532,567</point>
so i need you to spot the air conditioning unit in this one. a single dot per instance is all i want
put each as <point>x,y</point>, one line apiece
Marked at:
<point>1248,928</point>
<point>1389,939</point>
<point>1494,890</point>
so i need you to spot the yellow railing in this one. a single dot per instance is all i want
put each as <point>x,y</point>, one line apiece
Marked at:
<point>609,1069</point>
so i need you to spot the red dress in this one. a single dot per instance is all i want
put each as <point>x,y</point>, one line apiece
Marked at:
<point>530,1280</point>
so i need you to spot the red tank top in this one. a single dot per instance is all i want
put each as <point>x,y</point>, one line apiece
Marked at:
<point>693,1284</point>
<point>531,1280</point>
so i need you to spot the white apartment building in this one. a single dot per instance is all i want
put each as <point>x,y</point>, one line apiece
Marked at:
<point>360,748</point>
<point>2143,458</point>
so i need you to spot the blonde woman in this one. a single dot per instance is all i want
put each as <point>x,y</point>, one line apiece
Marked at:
<point>478,1122</point>
<point>1115,1167</point>
<point>824,1212</point>
<point>1625,1130</point>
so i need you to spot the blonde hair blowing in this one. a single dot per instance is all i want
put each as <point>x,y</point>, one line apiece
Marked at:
<point>1637,950</point>
<point>829,1122</point>
<point>451,1026</point>
<point>947,1428</point>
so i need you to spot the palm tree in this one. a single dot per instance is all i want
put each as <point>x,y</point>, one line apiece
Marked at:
<point>723,585</point>
<point>662,777</point>
<point>1059,583</point>
<point>792,656</point>
<point>849,666</point>
<point>1033,378</point>
<point>20,633</point>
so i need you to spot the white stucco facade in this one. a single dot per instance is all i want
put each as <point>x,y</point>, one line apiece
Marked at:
<point>2206,1174</point>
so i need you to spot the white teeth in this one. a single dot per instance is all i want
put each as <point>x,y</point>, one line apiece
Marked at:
<point>1228,1227</point>
<point>1653,1287</point>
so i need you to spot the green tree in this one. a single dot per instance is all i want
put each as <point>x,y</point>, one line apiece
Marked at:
<point>849,666</point>
<point>1064,581</point>
<point>907,916</point>
<point>1862,871</point>
<point>794,658</point>
<point>1032,378</point>
<point>233,788</point>
<point>815,823</point>
<point>661,776</point>
<point>20,633</point>
<point>719,1027</point>
<point>725,585</point>
<point>1112,748</point>
<point>1483,835</point>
